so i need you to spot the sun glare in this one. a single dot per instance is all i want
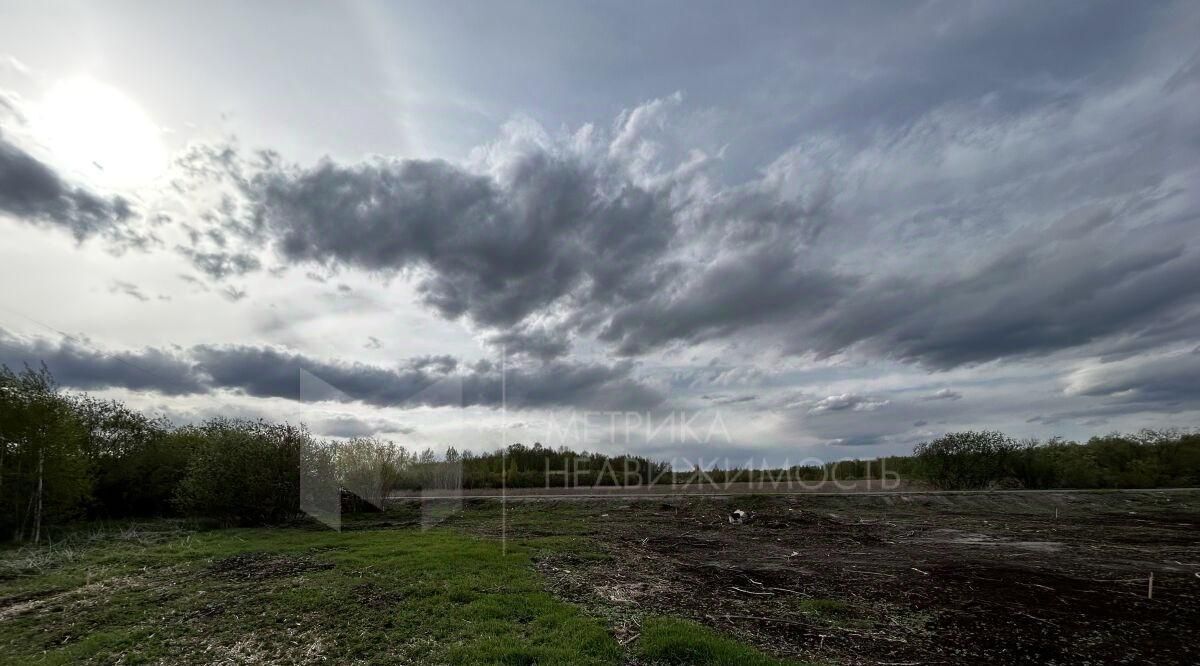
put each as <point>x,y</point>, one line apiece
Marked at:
<point>100,134</point>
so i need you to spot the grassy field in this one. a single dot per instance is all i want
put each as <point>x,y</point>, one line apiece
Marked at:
<point>1005,578</point>
<point>159,593</point>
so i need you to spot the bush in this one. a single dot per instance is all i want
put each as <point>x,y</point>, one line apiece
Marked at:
<point>1148,459</point>
<point>243,472</point>
<point>135,462</point>
<point>370,469</point>
<point>968,459</point>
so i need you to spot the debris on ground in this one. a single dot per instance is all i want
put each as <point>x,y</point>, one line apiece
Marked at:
<point>913,579</point>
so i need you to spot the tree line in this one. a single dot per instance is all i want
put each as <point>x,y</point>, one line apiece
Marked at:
<point>989,459</point>
<point>66,457</point>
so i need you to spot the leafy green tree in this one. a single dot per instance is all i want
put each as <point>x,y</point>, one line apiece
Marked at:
<point>44,474</point>
<point>243,472</point>
<point>970,459</point>
<point>136,462</point>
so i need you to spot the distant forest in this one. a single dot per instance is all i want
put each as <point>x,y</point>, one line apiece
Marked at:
<point>67,456</point>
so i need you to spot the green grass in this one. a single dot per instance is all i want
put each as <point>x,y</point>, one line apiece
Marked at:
<point>392,595</point>
<point>825,608</point>
<point>158,594</point>
<point>667,640</point>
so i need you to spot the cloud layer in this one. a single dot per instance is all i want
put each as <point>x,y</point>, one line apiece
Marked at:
<point>855,224</point>
<point>266,372</point>
<point>1009,254</point>
<point>32,191</point>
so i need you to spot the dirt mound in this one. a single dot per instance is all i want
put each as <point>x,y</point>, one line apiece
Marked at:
<point>255,566</point>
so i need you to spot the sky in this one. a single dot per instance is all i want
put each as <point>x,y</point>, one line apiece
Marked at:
<point>695,231</point>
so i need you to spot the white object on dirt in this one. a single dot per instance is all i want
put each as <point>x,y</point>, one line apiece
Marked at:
<point>738,517</point>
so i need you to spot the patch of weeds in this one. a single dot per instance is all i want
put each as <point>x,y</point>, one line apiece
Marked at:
<point>32,561</point>
<point>256,566</point>
<point>824,608</point>
<point>673,641</point>
<point>567,549</point>
<point>750,502</point>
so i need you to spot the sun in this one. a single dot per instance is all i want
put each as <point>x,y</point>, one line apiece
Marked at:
<point>100,134</point>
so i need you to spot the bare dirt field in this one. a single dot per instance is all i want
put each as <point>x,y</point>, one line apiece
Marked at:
<point>1011,577</point>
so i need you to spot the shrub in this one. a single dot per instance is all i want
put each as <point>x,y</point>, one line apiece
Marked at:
<point>968,459</point>
<point>243,472</point>
<point>136,462</point>
<point>371,469</point>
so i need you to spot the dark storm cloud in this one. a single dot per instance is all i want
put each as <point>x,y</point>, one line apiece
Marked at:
<point>493,251</point>
<point>1054,290</point>
<point>589,385</point>
<point>79,365</point>
<point>554,245</point>
<point>534,342</point>
<point>354,426</point>
<point>758,285</point>
<point>436,381</point>
<point>556,235</point>
<point>1043,293</point>
<point>265,372</point>
<point>32,191</point>
<point>439,363</point>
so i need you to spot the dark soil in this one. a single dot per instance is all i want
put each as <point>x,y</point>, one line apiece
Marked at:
<point>1006,578</point>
